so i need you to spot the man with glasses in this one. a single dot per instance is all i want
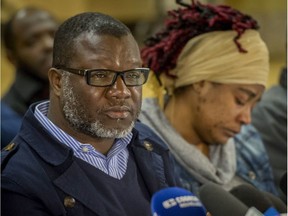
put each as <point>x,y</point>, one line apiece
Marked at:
<point>82,152</point>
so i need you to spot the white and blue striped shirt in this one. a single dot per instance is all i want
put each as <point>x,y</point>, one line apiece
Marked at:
<point>114,164</point>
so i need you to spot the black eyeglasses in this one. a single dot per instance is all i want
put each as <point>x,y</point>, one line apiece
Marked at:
<point>105,77</point>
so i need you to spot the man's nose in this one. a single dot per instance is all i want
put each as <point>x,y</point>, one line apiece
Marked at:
<point>119,89</point>
<point>47,42</point>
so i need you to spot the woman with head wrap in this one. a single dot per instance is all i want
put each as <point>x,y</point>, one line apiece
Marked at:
<point>210,68</point>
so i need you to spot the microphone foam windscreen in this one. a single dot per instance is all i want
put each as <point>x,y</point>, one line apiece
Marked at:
<point>219,202</point>
<point>283,183</point>
<point>176,201</point>
<point>250,196</point>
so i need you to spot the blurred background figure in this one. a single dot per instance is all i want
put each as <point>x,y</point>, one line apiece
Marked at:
<point>28,39</point>
<point>212,66</point>
<point>270,118</point>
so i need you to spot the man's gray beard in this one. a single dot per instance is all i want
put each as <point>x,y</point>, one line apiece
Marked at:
<point>75,114</point>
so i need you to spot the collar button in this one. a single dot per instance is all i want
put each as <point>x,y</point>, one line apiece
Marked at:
<point>69,202</point>
<point>148,146</point>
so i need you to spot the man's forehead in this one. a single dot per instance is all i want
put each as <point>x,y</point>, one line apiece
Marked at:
<point>102,49</point>
<point>33,22</point>
<point>29,17</point>
<point>104,42</point>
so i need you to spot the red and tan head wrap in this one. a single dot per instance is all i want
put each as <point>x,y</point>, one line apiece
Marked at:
<point>214,57</point>
<point>206,42</point>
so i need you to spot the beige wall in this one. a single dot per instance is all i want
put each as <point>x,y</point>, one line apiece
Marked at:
<point>272,19</point>
<point>270,14</point>
<point>126,10</point>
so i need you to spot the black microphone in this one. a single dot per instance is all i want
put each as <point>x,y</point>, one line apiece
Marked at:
<point>176,201</point>
<point>221,203</point>
<point>276,201</point>
<point>283,183</point>
<point>252,197</point>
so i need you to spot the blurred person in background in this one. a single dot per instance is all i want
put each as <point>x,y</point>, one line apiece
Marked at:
<point>28,39</point>
<point>210,69</point>
<point>270,118</point>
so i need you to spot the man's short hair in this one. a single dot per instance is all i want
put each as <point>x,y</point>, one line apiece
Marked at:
<point>88,22</point>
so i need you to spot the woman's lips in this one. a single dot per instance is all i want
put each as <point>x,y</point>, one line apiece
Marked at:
<point>231,133</point>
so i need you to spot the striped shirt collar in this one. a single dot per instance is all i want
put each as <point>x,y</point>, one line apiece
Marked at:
<point>114,164</point>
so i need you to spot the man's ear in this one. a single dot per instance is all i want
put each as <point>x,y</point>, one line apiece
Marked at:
<point>11,57</point>
<point>55,77</point>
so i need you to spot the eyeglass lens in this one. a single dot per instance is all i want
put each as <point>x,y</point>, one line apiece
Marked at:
<point>104,78</point>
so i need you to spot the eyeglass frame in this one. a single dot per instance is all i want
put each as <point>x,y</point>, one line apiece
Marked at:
<point>86,72</point>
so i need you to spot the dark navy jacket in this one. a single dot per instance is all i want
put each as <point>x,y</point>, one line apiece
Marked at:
<point>10,124</point>
<point>40,174</point>
<point>25,90</point>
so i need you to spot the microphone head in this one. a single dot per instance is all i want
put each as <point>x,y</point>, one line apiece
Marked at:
<point>261,200</point>
<point>276,201</point>
<point>250,196</point>
<point>220,202</point>
<point>176,201</point>
<point>283,183</point>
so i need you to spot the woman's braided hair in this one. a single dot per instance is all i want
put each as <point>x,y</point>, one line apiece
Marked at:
<point>162,50</point>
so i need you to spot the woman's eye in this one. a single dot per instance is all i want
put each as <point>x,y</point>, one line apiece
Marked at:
<point>240,102</point>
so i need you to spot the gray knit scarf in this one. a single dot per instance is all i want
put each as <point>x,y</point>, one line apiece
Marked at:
<point>220,168</point>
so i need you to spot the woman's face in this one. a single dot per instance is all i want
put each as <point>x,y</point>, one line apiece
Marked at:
<point>217,111</point>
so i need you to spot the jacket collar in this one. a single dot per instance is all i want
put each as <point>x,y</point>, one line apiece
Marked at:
<point>49,149</point>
